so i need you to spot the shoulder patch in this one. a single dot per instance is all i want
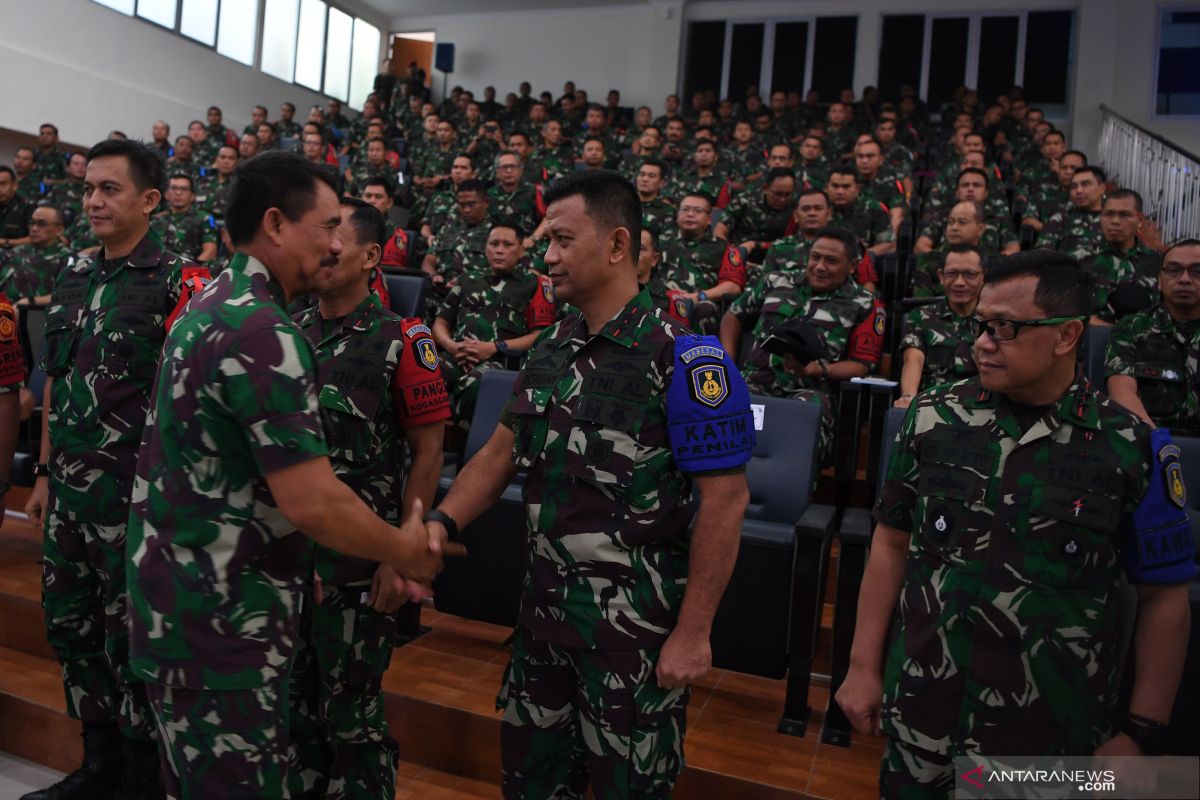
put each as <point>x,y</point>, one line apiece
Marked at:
<point>1173,481</point>
<point>709,384</point>
<point>703,350</point>
<point>547,291</point>
<point>417,330</point>
<point>879,323</point>
<point>427,355</point>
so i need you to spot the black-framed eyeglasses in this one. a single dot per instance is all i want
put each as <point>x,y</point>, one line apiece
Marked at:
<point>1176,271</point>
<point>1005,330</point>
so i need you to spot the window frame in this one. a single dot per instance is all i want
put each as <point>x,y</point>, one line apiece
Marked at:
<point>768,49</point>
<point>1162,9</point>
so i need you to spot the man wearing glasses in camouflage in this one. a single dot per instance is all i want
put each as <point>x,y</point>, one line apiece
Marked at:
<point>1013,503</point>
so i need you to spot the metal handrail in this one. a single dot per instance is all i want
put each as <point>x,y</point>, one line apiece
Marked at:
<point>1163,173</point>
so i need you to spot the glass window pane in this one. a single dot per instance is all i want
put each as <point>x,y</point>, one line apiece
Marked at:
<point>199,20</point>
<point>161,12</point>
<point>365,63</point>
<point>900,53</point>
<point>997,56</point>
<point>834,46</point>
<point>237,30</point>
<point>1178,89</point>
<point>279,38</point>
<point>788,61</point>
<point>947,59</point>
<point>705,59</point>
<point>124,6</point>
<point>337,54</point>
<point>745,59</point>
<point>310,43</point>
<point>1047,56</point>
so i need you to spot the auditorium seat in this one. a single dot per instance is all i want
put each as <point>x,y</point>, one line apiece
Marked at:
<point>486,585</point>
<point>769,617</point>
<point>406,292</point>
<point>1095,346</point>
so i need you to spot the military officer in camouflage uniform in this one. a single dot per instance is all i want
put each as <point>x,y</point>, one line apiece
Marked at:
<point>14,211</point>
<point>1153,359</point>
<point>373,165</point>
<point>876,185</point>
<point>1052,198</point>
<point>972,187</point>
<point>28,272</point>
<point>212,192</point>
<point>104,330</point>
<point>12,376</point>
<point>51,158</point>
<point>486,319</point>
<point>67,195</point>
<point>233,467</point>
<point>29,183</point>
<point>1012,504</point>
<point>380,395</point>
<point>204,146</point>
<point>937,344</point>
<point>432,166</point>
<point>846,318</point>
<point>657,212</point>
<point>181,160</point>
<point>1125,270</point>
<point>744,157</point>
<point>964,225</point>
<point>752,222</point>
<point>460,249</point>
<point>704,176</point>
<point>813,214</point>
<point>552,159</point>
<point>597,127</point>
<point>1077,231</point>
<point>617,413</point>
<point>511,200</point>
<point>287,127</point>
<point>439,210</point>
<point>867,220</point>
<point>182,228</point>
<point>647,145</point>
<point>814,166</point>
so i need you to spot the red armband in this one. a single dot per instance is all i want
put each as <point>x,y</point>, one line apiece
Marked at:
<point>864,269</point>
<point>679,308</point>
<point>194,279</point>
<point>724,196</point>
<point>733,266</point>
<point>379,287</point>
<point>418,391</point>
<point>395,252</point>
<point>12,362</point>
<point>866,340</point>
<point>539,203</point>
<point>792,226</point>
<point>541,310</point>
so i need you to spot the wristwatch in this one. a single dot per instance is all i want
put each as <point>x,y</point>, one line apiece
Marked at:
<point>824,370</point>
<point>445,519</point>
<point>502,347</point>
<point>1150,735</point>
<point>702,296</point>
<point>41,470</point>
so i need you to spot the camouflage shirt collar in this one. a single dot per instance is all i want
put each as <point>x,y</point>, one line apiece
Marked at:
<point>255,271</point>
<point>623,327</point>
<point>147,253</point>
<point>1078,406</point>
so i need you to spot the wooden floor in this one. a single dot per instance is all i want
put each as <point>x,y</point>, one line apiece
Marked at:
<point>441,692</point>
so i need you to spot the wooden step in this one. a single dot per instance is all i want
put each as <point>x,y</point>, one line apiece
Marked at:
<point>441,691</point>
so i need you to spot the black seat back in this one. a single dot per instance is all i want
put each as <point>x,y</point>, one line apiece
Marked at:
<point>406,293</point>
<point>495,388</point>
<point>783,468</point>
<point>1095,348</point>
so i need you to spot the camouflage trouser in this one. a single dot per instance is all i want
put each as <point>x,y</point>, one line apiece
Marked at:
<point>911,773</point>
<point>572,714</point>
<point>84,601</point>
<point>340,744</point>
<point>227,744</point>
<point>463,385</point>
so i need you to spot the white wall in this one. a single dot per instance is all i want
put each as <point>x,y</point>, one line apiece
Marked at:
<point>631,48</point>
<point>89,70</point>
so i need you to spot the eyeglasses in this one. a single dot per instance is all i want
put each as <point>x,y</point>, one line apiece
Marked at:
<point>41,223</point>
<point>1175,271</point>
<point>1005,330</point>
<point>954,274</point>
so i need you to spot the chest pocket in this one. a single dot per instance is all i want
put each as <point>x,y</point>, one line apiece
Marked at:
<point>956,465</point>
<point>939,358</point>
<point>1074,512</point>
<point>133,329</point>
<point>1161,372</point>
<point>63,319</point>
<point>531,424</point>
<point>349,428</point>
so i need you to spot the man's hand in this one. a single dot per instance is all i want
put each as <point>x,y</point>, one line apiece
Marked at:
<point>479,350</point>
<point>432,548</point>
<point>1135,776</point>
<point>389,591</point>
<point>861,697</point>
<point>39,501</point>
<point>684,657</point>
<point>903,401</point>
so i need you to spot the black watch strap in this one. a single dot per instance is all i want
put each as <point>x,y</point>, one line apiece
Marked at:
<point>1149,734</point>
<point>445,519</point>
<point>41,470</point>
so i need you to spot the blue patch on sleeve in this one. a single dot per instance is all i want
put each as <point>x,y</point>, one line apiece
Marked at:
<point>1158,544</point>
<point>708,408</point>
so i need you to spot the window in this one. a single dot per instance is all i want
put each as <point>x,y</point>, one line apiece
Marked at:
<point>901,53</point>
<point>199,21</point>
<point>998,42</point>
<point>160,12</point>
<point>279,38</point>
<point>745,58</point>
<point>237,30</point>
<point>833,56</point>
<point>789,65</point>
<point>705,64</point>
<point>337,54</point>
<point>364,65</point>
<point>947,58</point>
<point>1177,76</point>
<point>1048,56</point>
<point>124,6</point>
<point>310,44</point>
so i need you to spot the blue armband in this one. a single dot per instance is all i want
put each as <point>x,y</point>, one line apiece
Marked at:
<point>1158,537</point>
<point>708,408</point>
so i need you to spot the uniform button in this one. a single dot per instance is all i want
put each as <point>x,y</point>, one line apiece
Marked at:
<point>1071,547</point>
<point>291,444</point>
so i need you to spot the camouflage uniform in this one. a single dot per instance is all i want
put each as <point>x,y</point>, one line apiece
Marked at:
<point>184,232</point>
<point>67,197</point>
<point>104,330</point>
<point>205,153</point>
<point>376,379</point>
<point>1047,202</point>
<point>520,207</point>
<point>884,189</point>
<point>898,161</point>
<point>743,163</point>
<point>211,194</point>
<point>79,235</point>
<point>462,250</point>
<point>1112,268</point>
<point>217,575</point>
<point>690,265</point>
<point>1006,629</point>
<point>50,165</point>
<point>995,214</point>
<point>30,187</point>
<point>657,215</point>
<point>946,339</point>
<point>814,175</point>
<point>1164,355</point>
<point>491,308</point>
<point>715,185</point>
<point>363,171</point>
<point>191,168</point>
<point>838,142</point>
<point>924,280</point>
<point>14,218</point>
<point>544,164</point>
<point>288,130</point>
<point>434,161</point>
<point>29,271</point>
<point>749,218</point>
<point>610,434</point>
<point>437,210</point>
<point>1075,232</point>
<point>867,220</point>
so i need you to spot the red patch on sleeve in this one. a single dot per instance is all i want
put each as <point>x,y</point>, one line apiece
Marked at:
<point>866,340</point>
<point>733,266</point>
<point>539,202</point>
<point>419,394</point>
<point>541,310</point>
<point>395,252</point>
<point>12,362</point>
<point>194,279</point>
<point>864,270</point>
<point>724,196</point>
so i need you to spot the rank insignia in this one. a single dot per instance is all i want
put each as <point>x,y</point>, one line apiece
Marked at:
<point>427,355</point>
<point>709,385</point>
<point>879,322</point>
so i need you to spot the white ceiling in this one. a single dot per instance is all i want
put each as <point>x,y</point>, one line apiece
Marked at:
<point>401,8</point>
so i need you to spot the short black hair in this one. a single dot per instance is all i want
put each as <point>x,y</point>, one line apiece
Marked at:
<point>273,179</point>
<point>27,149</point>
<point>266,124</point>
<point>1125,194</point>
<point>473,185</point>
<point>1064,289</point>
<point>507,222</point>
<point>7,170</point>
<point>380,180</point>
<point>182,176</point>
<point>522,134</point>
<point>1079,153</point>
<point>1099,173</point>
<point>705,196</point>
<point>49,125</point>
<point>963,247</point>
<point>369,225</point>
<point>595,139</point>
<point>59,217</point>
<point>775,173</point>
<point>216,109</point>
<point>146,165</point>
<point>849,240</point>
<point>1188,242</point>
<point>655,162</point>
<point>813,191</point>
<point>972,171</point>
<point>260,108</point>
<point>292,106</point>
<point>609,199</point>
<point>654,243</point>
<point>845,169</point>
